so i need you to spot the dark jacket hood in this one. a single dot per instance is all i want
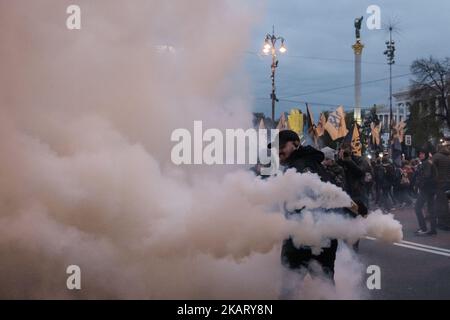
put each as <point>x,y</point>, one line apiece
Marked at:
<point>307,153</point>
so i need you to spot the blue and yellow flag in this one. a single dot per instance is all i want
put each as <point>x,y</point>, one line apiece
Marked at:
<point>335,125</point>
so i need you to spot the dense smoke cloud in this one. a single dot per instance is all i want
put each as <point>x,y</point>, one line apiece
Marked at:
<point>85,172</point>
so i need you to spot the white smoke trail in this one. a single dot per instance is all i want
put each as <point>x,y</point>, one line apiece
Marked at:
<point>85,172</point>
<point>348,280</point>
<point>239,220</point>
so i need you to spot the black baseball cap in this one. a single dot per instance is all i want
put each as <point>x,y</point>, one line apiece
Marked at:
<point>284,137</point>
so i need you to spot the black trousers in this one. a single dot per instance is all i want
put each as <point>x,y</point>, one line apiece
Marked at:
<point>442,212</point>
<point>294,258</point>
<point>427,198</point>
<point>385,199</point>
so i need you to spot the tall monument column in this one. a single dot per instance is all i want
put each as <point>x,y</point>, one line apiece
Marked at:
<point>358,49</point>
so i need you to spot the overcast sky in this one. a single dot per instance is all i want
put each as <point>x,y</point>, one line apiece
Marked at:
<point>319,35</point>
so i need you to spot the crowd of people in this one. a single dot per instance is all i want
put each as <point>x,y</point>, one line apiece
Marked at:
<point>422,183</point>
<point>379,182</point>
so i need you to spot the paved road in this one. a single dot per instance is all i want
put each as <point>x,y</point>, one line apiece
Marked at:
<point>417,268</point>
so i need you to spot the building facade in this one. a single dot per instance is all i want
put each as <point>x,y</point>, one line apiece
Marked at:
<point>400,110</point>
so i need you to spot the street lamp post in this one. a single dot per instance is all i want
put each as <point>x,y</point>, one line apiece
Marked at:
<point>390,55</point>
<point>269,47</point>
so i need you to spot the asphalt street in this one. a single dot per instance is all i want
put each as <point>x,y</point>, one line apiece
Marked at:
<point>416,268</point>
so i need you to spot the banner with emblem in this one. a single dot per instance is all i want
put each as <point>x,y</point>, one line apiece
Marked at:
<point>335,125</point>
<point>375,131</point>
<point>353,138</point>
<point>320,128</point>
<point>400,131</point>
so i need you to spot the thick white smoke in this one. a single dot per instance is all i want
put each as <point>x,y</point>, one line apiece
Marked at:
<point>85,172</point>
<point>349,280</point>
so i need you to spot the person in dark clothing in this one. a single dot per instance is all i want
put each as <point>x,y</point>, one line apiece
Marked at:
<point>353,174</point>
<point>413,178</point>
<point>308,159</point>
<point>391,179</point>
<point>336,172</point>
<point>408,179</point>
<point>379,177</point>
<point>371,189</point>
<point>368,181</point>
<point>441,160</point>
<point>385,183</point>
<point>426,180</point>
<point>304,159</point>
<point>404,184</point>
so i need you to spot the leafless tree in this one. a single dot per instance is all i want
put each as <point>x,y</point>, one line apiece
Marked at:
<point>432,81</point>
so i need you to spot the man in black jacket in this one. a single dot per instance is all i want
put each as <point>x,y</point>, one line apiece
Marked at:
<point>304,159</point>
<point>426,180</point>
<point>353,173</point>
<point>441,160</point>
